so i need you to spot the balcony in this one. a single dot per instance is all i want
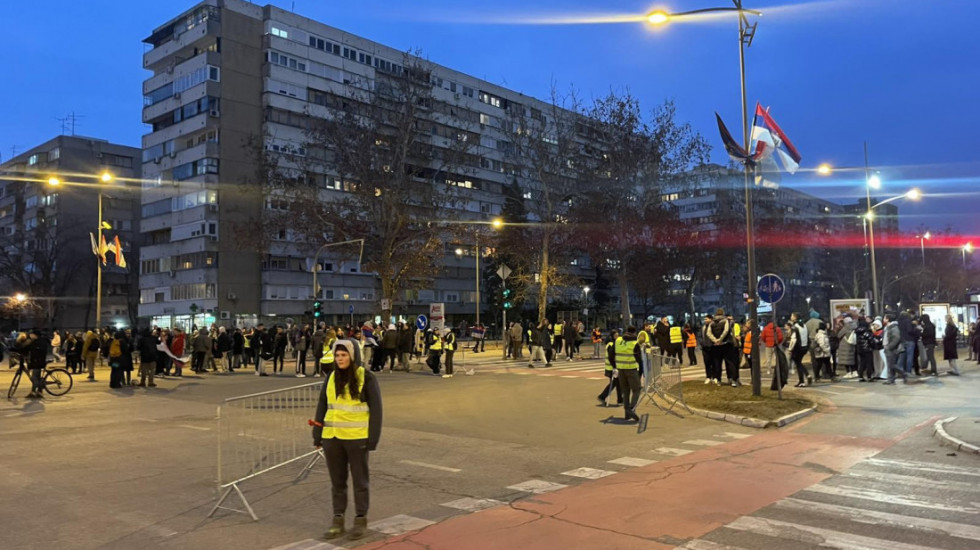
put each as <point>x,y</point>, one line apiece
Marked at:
<point>157,58</point>
<point>183,67</point>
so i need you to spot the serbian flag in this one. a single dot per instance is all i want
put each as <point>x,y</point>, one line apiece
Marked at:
<point>736,151</point>
<point>120,259</point>
<point>103,248</point>
<point>772,143</point>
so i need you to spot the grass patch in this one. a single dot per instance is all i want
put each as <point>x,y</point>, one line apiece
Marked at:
<point>740,401</point>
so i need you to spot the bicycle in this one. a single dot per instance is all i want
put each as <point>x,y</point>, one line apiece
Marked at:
<point>56,381</point>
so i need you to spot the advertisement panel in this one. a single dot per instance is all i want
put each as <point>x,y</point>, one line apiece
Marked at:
<point>437,316</point>
<point>852,305</point>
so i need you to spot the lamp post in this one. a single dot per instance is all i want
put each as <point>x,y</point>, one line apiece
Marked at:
<point>586,291</point>
<point>316,264</point>
<point>459,253</point>
<point>746,32</point>
<point>922,244</point>
<point>968,247</point>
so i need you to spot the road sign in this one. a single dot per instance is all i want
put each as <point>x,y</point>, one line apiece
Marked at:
<point>385,304</point>
<point>771,288</point>
<point>350,310</point>
<point>437,314</point>
<point>421,322</point>
<point>503,271</point>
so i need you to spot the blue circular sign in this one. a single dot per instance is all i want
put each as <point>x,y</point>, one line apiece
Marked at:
<point>422,322</point>
<point>771,288</point>
<point>350,309</point>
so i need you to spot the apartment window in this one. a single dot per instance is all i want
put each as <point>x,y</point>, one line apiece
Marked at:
<point>214,73</point>
<point>158,95</point>
<point>54,154</point>
<point>30,223</point>
<point>491,99</point>
<point>121,161</point>
<point>468,92</point>
<point>280,33</point>
<point>30,202</point>
<point>276,264</point>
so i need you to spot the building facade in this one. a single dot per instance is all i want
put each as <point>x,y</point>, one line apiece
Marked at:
<point>45,231</point>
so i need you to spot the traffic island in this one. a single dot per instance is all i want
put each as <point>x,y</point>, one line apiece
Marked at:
<point>738,405</point>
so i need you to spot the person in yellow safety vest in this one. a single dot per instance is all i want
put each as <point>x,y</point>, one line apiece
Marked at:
<point>557,340</point>
<point>449,347</point>
<point>347,425</point>
<point>625,357</point>
<point>327,359</point>
<point>676,342</point>
<point>613,380</point>
<point>435,350</point>
<point>645,341</point>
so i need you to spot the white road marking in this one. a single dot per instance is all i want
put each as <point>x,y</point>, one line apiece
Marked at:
<point>672,451</point>
<point>396,525</point>
<point>566,376</point>
<point>887,498</point>
<point>145,419</point>
<point>832,539</point>
<point>432,466</point>
<point>704,442</point>
<point>199,428</point>
<point>735,435</point>
<point>699,544</point>
<point>308,544</point>
<point>588,473</point>
<point>472,504</point>
<point>925,483</point>
<point>630,461</point>
<point>537,486</point>
<point>924,467</point>
<point>873,517</point>
<point>826,391</point>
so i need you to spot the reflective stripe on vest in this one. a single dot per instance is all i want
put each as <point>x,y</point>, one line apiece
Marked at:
<point>450,342</point>
<point>609,366</point>
<point>675,335</point>
<point>437,345</point>
<point>625,359</point>
<point>327,356</point>
<point>346,418</point>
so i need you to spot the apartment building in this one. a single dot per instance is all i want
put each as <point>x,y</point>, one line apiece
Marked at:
<point>44,231</point>
<point>228,72</point>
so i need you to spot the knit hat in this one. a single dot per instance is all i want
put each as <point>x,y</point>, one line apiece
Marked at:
<point>346,344</point>
<point>447,331</point>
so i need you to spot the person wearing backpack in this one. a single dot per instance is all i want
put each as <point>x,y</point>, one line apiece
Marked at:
<point>90,352</point>
<point>117,352</point>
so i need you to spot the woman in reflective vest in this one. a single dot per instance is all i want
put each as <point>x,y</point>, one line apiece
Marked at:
<point>347,425</point>
<point>613,380</point>
<point>691,342</point>
<point>326,358</point>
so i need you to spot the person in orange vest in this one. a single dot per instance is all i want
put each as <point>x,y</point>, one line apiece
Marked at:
<point>747,342</point>
<point>596,343</point>
<point>691,343</point>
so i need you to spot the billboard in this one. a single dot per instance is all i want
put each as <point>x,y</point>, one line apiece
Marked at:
<point>437,316</point>
<point>852,305</point>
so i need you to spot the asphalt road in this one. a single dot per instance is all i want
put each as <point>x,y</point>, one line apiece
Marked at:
<point>136,468</point>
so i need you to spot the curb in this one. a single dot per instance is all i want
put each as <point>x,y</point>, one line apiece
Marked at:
<point>939,431</point>
<point>755,422</point>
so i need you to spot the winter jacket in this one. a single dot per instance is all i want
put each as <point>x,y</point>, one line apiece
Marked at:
<point>390,340</point>
<point>865,338</point>
<point>928,333</point>
<point>237,343</point>
<point>772,335</point>
<point>949,342</point>
<point>370,395</point>
<point>820,344</point>
<point>813,323</point>
<point>906,329</point>
<point>845,350</point>
<point>316,342</point>
<point>87,351</point>
<point>662,335</point>
<point>202,343</point>
<point>224,342</point>
<point>719,333</point>
<point>893,337</point>
<point>148,348</point>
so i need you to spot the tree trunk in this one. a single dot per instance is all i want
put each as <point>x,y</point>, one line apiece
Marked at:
<point>624,296</point>
<point>690,297</point>
<point>545,267</point>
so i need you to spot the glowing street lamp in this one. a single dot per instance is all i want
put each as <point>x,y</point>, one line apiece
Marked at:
<point>968,247</point>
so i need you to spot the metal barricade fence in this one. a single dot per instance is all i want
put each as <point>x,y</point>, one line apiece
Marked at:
<point>261,432</point>
<point>665,381</point>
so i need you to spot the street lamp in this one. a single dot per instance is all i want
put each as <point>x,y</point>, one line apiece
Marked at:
<point>922,244</point>
<point>316,266</point>
<point>746,32</point>
<point>586,291</point>
<point>968,247</point>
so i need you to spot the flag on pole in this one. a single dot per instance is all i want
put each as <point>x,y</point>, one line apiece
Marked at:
<point>120,259</point>
<point>101,248</point>
<point>95,247</point>
<point>772,143</point>
<point>736,151</point>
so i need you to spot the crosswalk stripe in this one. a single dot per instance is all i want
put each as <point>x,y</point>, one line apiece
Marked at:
<point>672,451</point>
<point>924,467</point>
<point>631,461</point>
<point>874,517</point>
<point>396,525</point>
<point>799,532</point>
<point>938,484</point>
<point>701,544</point>
<point>886,498</point>
<point>308,544</point>
<point>734,435</point>
<point>704,442</point>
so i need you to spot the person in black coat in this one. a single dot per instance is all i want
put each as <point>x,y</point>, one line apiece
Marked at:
<point>35,349</point>
<point>929,344</point>
<point>237,348</point>
<point>148,358</point>
<point>949,345</point>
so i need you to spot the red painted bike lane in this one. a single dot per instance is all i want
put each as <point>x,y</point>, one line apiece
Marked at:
<point>657,506</point>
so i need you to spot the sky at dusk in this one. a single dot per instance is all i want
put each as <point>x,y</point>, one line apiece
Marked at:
<point>902,75</point>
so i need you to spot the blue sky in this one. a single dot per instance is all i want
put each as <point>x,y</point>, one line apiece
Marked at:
<point>902,75</point>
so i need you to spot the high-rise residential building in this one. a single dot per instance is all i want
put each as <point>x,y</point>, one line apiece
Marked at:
<point>49,211</point>
<point>227,73</point>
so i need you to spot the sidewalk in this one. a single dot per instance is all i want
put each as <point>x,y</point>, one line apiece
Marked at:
<point>962,433</point>
<point>656,506</point>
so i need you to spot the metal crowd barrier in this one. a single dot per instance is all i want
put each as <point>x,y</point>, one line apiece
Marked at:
<point>261,432</point>
<point>665,381</point>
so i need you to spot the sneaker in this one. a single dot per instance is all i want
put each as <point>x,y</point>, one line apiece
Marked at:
<point>734,384</point>
<point>300,375</point>
<point>359,529</point>
<point>601,401</point>
<point>862,380</point>
<point>717,382</point>
<point>889,382</point>
<point>707,381</point>
<point>446,375</point>
<point>336,528</point>
<point>547,365</point>
<point>737,383</point>
<point>256,373</point>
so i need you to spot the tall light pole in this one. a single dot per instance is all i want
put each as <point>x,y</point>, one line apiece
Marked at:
<point>922,244</point>
<point>968,247</point>
<point>746,32</point>
<point>316,263</point>
<point>586,291</point>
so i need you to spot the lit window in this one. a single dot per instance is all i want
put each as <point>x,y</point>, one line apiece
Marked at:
<point>280,33</point>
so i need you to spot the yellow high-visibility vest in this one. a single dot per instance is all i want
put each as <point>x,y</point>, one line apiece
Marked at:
<point>675,335</point>
<point>625,360</point>
<point>609,366</point>
<point>346,418</point>
<point>327,356</point>
<point>437,345</point>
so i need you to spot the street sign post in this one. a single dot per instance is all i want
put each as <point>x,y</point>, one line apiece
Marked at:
<point>771,289</point>
<point>503,272</point>
<point>421,322</point>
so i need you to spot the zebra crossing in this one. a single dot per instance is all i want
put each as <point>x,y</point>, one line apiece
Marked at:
<point>590,369</point>
<point>879,504</point>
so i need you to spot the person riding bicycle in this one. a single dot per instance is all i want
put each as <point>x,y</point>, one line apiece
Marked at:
<point>35,349</point>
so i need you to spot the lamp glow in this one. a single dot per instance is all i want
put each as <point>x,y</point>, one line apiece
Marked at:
<point>106,177</point>
<point>657,18</point>
<point>914,194</point>
<point>53,181</point>
<point>874,182</point>
<point>824,169</point>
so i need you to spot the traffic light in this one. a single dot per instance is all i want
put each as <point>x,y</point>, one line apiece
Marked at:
<point>317,309</point>
<point>507,298</point>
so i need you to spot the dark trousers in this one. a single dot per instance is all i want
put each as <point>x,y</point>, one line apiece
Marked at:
<point>692,356</point>
<point>36,383</point>
<point>929,361</point>
<point>449,360</point>
<point>433,360</point>
<point>301,363</point>
<point>607,389</point>
<point>801,371</point>
<point>345,456</point>
<point>629,381</point>
<point>717,355</point>
<point>557,345</point>
<point>115,377</point>
<point>866,365</point>
<point>198,365</point>
<point>278,361</point>
<point>732,359</point>
<point>390,356</point>
<point>822,365</point>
